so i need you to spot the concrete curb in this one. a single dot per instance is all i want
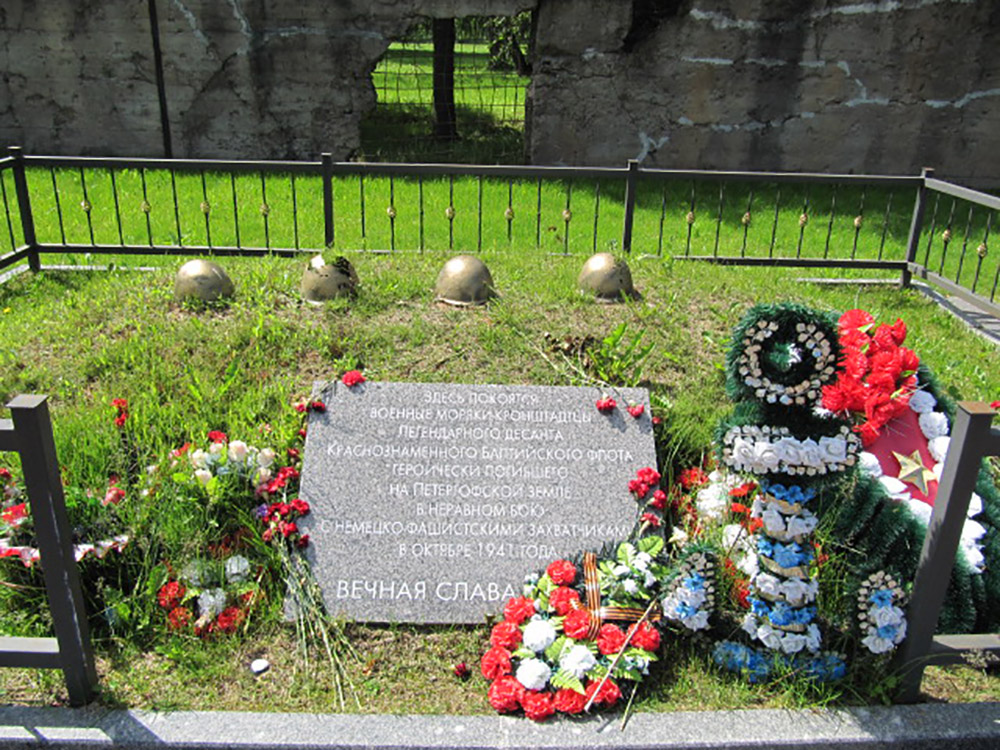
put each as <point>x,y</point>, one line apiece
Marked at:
<point>972,726</point>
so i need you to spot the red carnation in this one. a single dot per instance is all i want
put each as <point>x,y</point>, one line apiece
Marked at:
<point>854,320</point>
<point>898,330</point>
<point>505,634</point>
<point>648,475</point>
<point>113,496</point>
<point>609,694</point>
<point>693,477</point>
<point>5,473</point>
<point>171,594</point>
<point>995,404</point>
<point>302,542</point>
<point>636,410</point>
<point>461,670</point>
<point>610,639</point>
<point>577,623</point>
<point>645,636</point>
<point>300,506</point>
<point>495,663</point>
<point>537,704</point>
<point>352,378</point>
<point>659,500</point>
<point>562,572</point>
<point>561,600</point>
<point>229,619</point>
<point>214,436</point>
<point>651,518</point>
<point>179,618</point>
<point>317,406</point>
<point>505,694</point>
<point>569,701</point>
<point>14,514</point>
<point>605,405</point>
<point>519,609</point>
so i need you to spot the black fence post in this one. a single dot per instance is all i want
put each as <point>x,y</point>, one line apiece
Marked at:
<point>631,183</point>
<point>328,200</point>
<point>24,207</point>
<point>916,226</point>
<point>971,439</point>
<point>48,511</point>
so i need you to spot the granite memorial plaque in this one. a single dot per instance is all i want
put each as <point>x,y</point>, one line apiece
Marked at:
<point>431,502</point>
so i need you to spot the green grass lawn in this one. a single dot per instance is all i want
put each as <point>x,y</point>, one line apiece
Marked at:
<point>86,338</point>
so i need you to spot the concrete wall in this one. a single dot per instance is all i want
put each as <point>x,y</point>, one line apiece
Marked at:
<point>803,85</point>
<point>825,85</point>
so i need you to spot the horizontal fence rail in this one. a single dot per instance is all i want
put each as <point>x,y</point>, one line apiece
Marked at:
<point>912,225</point>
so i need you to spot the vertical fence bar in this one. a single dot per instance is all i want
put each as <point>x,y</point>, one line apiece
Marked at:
<point>295,214</point>
<point>177,210</point>
<point>916,226</point>
<point>450,212</point>
<point>48,510</point>
<point>85,205</point>
<point>965,242</point>
<point>420,200</point>
<point>982,250</point>
<point>858,221</point>
<point>690,220</point>
<point>829,226</point>
<point>885,224</point>
<point>24,207</point>
<point>391,212</point>
<point>803,220</point>
<point>328,232</point>
<point>663,216</point>
<point>55,196</point>
<point>509,212</point>
<point>718,218</point>
<point>631,184</point>
<point>265,210</point>
<point>597,210</point>
<point>6,210</point>
<point>479,225</point>
<point>946,235</point>
<point>930,234</point>
<point>969,443</point>
<point>206,209</point>
<point>567,216</point>
<point>774,223</point>
<point>747,218</point>
<point>145,207</point>
<point>118,208</point>
<point>361,199</point>
<point>538,215</point>
<point>236,208</point>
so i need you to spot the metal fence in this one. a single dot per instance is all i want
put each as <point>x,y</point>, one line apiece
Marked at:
<point>972,439</point>
<point>910,225</point>
<point>30,434</point>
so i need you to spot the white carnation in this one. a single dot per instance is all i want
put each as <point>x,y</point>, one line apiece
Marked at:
<point>975,505</point>
<point>938,447</point>
<point>894,487</point>
<point>870,464</point>
<point>539,635</point>
<point>238,451</point>
<point>533,674</point>
<point>215,449</point>
<point>198,459</point>
<point>266,457</point>
<point>578,661</point>
<point>204,476</point>
<point>712,501</point>
<point>922,402</point>
<point>933,424</point>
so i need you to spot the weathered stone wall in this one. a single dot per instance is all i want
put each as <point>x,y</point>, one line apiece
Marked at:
<point>824,85</point>
<point>244,78</point>
<point>803,85</point>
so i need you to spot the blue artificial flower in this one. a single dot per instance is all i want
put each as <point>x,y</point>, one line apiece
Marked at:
<point>782,615</point>
<point>788,555</point>
<point>694,582</point>
<point>759,607</point>
<point>684,611</point>
<point>888,632</point>
<point>881,598</point>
